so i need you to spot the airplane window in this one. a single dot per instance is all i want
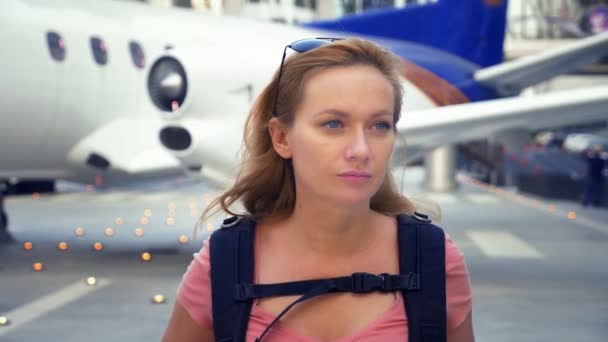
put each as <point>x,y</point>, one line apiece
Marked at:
<point>312,4</point>
<point>137,54</point>
<point>100,53</point>
<point>56,46</point>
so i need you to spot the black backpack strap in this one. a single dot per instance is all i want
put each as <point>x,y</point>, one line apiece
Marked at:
<point>231,255</point>
<point>422,252</point>
<point>360,282</point>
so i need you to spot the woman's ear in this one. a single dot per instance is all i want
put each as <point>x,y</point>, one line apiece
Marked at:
<point>279,136</point>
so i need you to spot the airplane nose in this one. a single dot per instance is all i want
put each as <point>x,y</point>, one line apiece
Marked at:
<point>175,138</point>
<point>167,84</point>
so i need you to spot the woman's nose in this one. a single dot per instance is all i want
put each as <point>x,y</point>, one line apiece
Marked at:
<point>358,146</point>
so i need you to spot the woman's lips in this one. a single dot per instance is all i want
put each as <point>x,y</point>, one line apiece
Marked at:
<point>355,176</point>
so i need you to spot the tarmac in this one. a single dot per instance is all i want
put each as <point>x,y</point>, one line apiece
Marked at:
<point>538,267</point>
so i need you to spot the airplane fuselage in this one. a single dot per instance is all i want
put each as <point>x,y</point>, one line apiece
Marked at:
<point>58,116</point>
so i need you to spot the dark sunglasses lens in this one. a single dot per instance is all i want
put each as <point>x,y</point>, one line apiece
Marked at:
<point>308,44</point>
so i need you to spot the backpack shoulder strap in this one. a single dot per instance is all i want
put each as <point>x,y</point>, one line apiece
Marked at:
<point>231,254</point>
<point>422,251</point>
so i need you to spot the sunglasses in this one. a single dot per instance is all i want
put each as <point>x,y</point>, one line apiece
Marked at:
<point>302,45</point>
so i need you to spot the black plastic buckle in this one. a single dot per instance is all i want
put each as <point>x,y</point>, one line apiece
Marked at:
<point>363,282</point>
<point>386,281</point>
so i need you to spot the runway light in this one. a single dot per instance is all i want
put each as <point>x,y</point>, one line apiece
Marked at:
<point>170,221</point>
<point>98,246</point>
<point>27,246</point>
<point>535,203</point>
<point>62,246</point>
<point>109,232</point>
<point>91,281</point>
<point>4,321</point>
<point>139,232</point>
<point>38,267</point>
<point>552,208</point>
<point>119,221</point>
<point>36,196</point>
<point>147,212</point>
<point>183,239</point>
<point>144,221</point>
<point>79,231</point>
<point>145,256</point>
<point>572,215</point>
<point>158,299</point>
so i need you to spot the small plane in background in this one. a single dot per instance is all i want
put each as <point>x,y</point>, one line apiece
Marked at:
<point>109,92</point>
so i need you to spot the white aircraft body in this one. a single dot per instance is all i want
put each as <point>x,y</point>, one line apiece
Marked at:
<point>75,105</point>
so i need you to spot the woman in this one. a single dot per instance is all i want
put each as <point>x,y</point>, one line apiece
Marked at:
<point>316,178</point>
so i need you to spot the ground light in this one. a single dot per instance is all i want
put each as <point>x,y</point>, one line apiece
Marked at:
<point>158,299</point>
<point>62,246</point>
<point>145,256</point>
<point>91,281</point>
<point>98,246</point>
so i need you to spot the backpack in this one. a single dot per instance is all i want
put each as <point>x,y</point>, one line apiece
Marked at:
<point>421,279</point>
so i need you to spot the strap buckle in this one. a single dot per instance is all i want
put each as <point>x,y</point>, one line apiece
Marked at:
<point>363,282</point>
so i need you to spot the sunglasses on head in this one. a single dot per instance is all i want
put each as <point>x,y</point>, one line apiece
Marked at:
<point>302,45</point>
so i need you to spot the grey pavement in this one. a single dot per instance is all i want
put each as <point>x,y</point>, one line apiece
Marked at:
<point>537,274</point>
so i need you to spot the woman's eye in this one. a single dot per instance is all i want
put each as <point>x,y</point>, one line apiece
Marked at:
<point>383,126</point>
<point>333,124</point>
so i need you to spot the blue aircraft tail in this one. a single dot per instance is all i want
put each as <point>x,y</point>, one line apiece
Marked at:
<point>472,29</point>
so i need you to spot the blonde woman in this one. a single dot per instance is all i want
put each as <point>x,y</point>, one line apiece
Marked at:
<point>316,187</point>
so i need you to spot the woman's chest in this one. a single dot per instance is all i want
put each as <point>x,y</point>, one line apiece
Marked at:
<point>330,316</point>
<point>335,316</point>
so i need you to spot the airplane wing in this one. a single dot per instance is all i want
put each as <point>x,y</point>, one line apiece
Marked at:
<point>446,125</point>
<point>511,77</point>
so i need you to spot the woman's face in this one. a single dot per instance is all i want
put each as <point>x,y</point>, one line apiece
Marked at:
<point>342,135</point>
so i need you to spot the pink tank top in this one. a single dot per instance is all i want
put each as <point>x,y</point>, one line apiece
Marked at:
<point>194,294</point>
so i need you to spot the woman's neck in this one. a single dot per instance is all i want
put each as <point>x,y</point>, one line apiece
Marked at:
<point>328,231</point>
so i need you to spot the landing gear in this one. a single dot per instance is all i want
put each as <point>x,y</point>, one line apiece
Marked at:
<point>5,236</point>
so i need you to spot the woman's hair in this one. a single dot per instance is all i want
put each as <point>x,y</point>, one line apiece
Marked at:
<point>265,183</point>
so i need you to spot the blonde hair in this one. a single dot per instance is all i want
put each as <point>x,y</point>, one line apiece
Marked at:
<point>265,183</point>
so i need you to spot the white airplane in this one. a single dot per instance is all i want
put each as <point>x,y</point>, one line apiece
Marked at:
<point>448,99</point>
<point>90,87</point>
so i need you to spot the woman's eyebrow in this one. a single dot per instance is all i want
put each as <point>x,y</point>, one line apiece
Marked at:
<point>344,114</point>
<point>331,111</point>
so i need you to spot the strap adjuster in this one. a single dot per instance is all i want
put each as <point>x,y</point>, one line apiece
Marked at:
<point>243,292</point>
<point>231,221</point>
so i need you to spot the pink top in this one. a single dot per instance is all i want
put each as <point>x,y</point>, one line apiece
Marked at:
<point>194,295</point>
